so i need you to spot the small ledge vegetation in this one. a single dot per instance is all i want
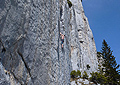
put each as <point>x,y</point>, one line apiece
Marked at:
<point>85,75</point>
<point>75,74</point>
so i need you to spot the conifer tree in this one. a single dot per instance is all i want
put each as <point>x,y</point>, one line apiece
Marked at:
<point>110,65</point>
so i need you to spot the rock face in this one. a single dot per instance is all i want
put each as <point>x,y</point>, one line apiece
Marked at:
<point>30,43</point>
<point>83,49</point>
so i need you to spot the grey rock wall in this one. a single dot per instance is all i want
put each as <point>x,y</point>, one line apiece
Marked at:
<point>30,44</point>
<point>83,49</point>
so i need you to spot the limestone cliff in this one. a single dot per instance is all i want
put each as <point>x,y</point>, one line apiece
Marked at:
<point>30,43</point>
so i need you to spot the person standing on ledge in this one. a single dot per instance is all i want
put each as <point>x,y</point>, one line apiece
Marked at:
<point>62,39</point>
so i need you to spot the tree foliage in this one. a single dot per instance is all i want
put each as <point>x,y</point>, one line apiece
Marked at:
<point>98,78</point>
<point>73,74</point>
<point>78,73</point>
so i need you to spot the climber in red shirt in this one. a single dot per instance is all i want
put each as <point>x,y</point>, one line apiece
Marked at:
<point>62,39</point>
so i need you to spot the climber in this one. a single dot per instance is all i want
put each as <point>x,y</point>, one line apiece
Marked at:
<point>62,39</point>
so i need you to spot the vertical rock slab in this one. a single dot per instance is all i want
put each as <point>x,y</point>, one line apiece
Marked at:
<point>83,49</point>
<point>30,43</point>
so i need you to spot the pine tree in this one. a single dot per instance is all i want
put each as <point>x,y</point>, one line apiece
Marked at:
<point>110,65</point>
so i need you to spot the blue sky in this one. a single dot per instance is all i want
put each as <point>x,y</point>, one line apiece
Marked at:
<point>104,20</point>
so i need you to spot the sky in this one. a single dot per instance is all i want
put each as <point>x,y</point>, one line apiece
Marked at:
<point>104,21</point>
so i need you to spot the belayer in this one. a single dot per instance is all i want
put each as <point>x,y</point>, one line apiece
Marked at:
<point>62,39</point>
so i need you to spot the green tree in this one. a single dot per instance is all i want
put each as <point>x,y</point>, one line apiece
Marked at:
<point>98,78</point>
<point>110,65</point>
